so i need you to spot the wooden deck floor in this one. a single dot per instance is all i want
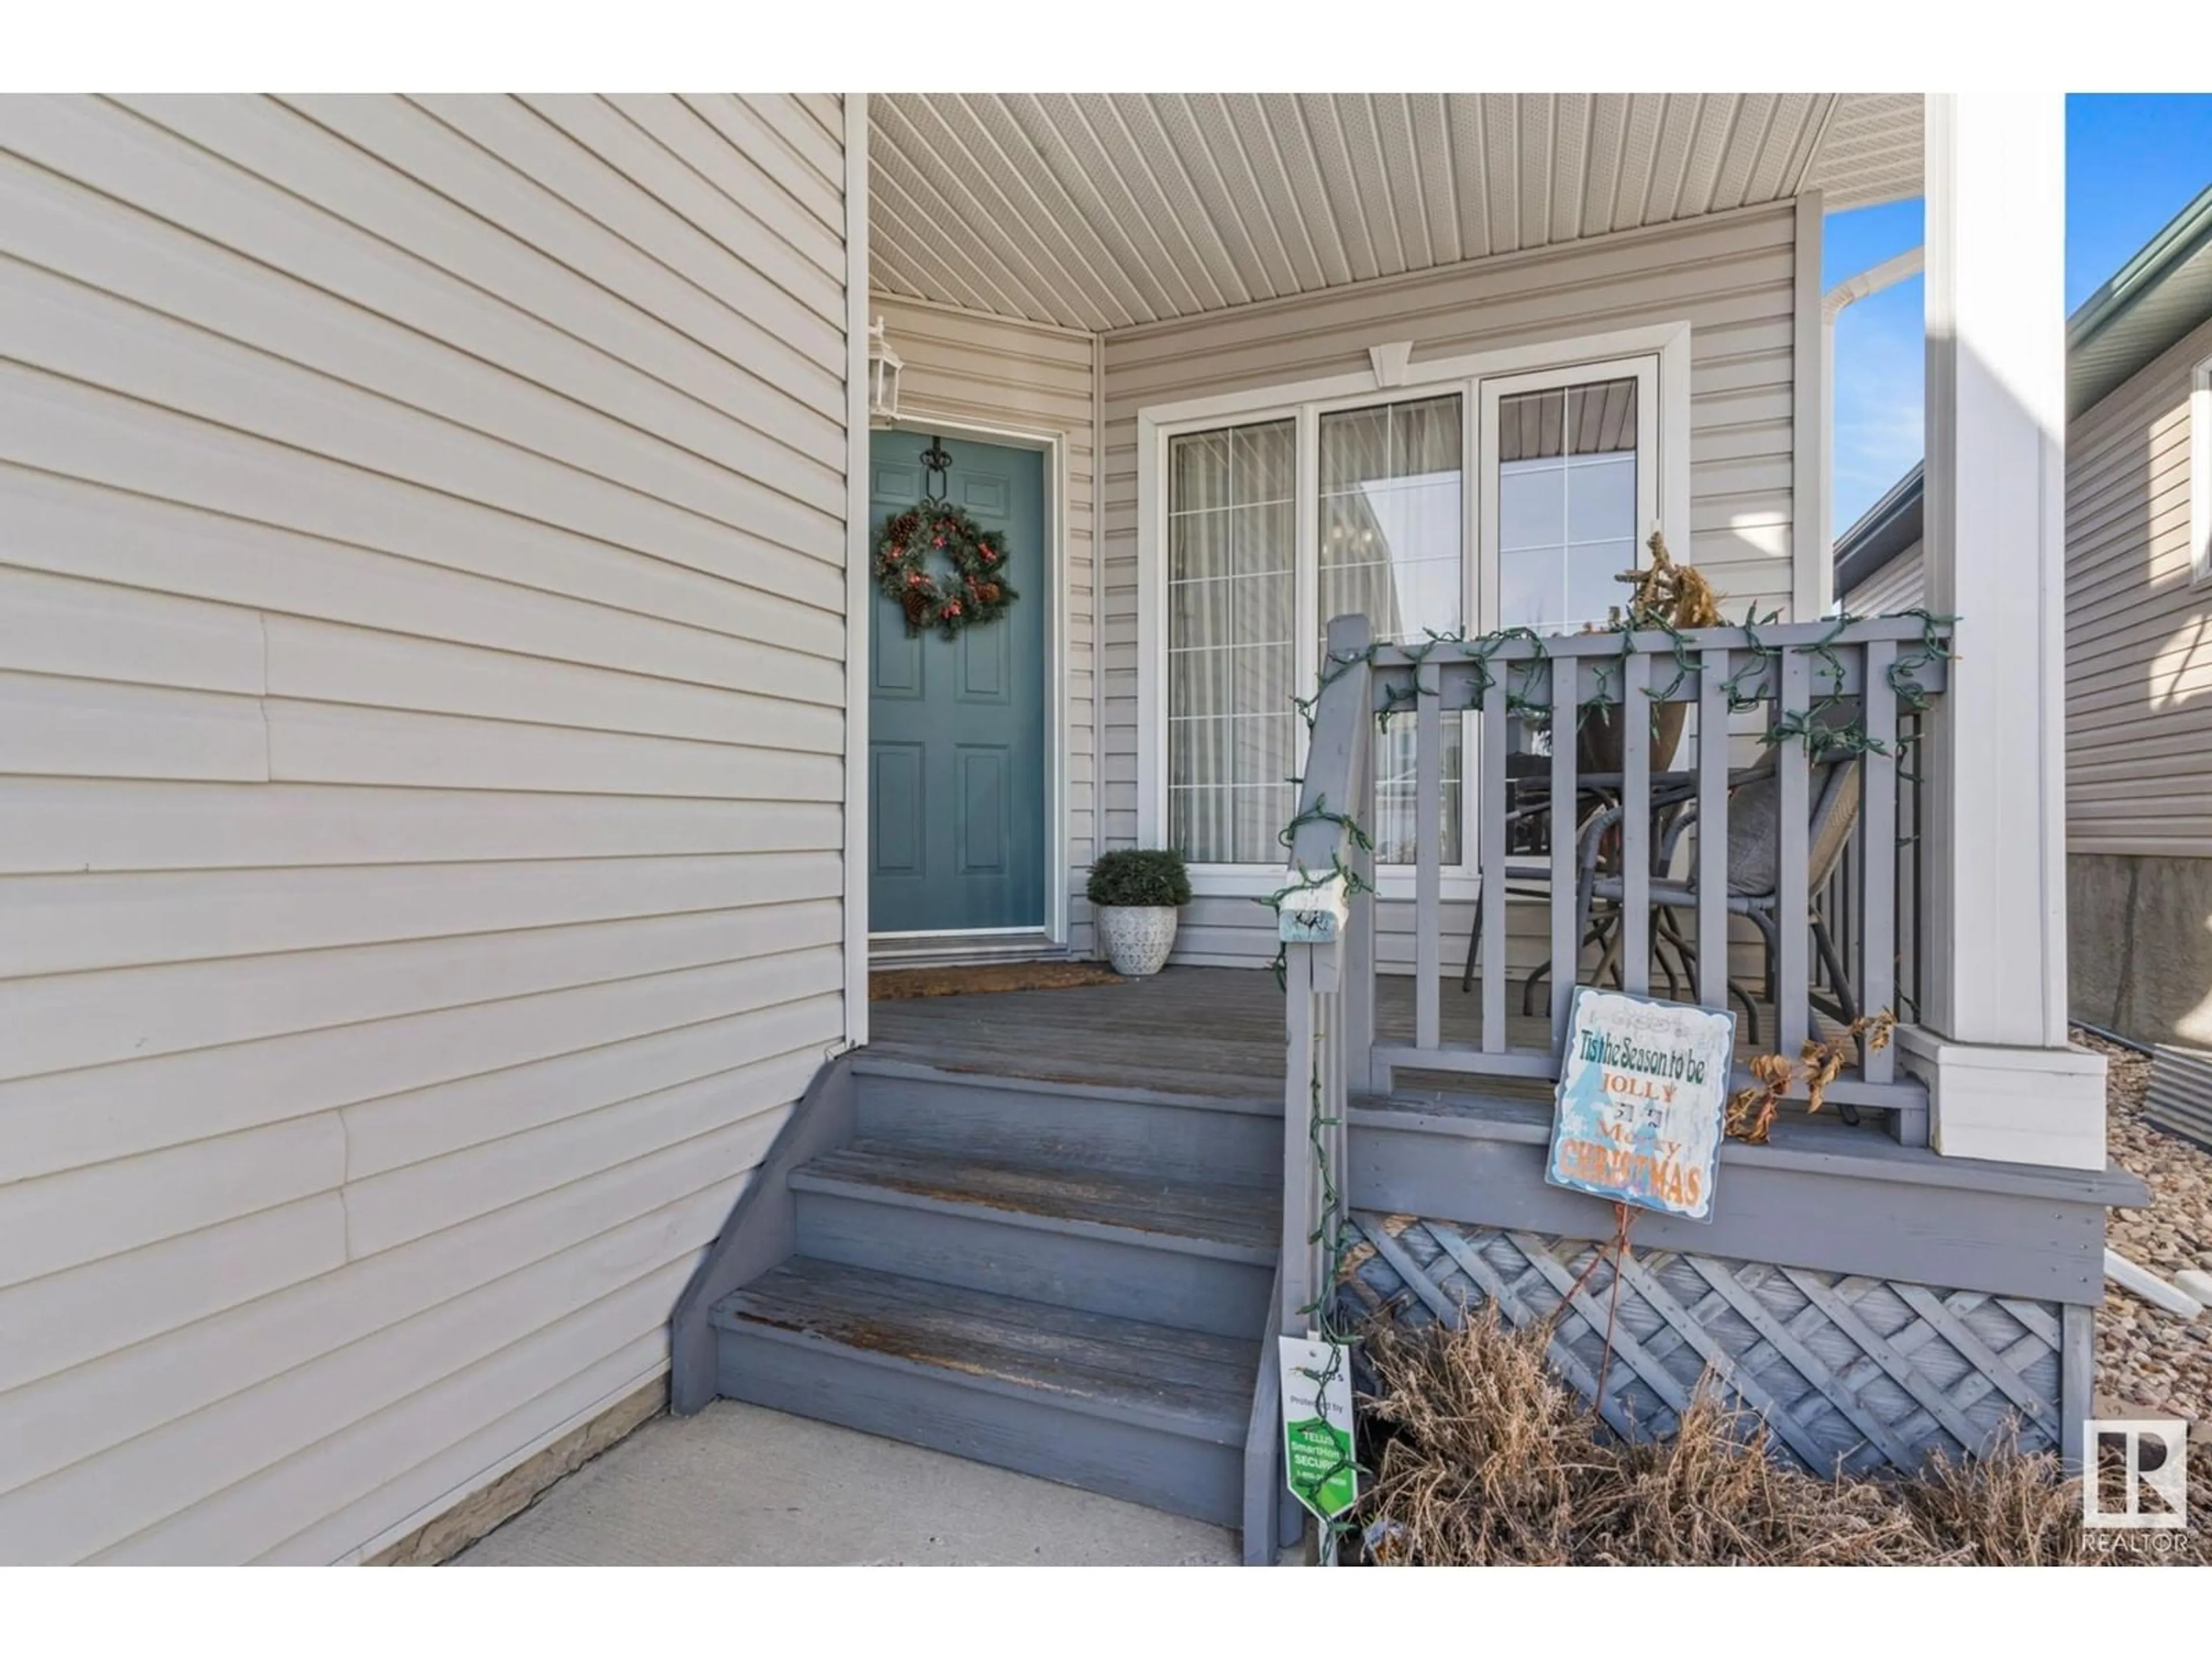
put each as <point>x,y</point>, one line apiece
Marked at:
<point>1191,1030</point>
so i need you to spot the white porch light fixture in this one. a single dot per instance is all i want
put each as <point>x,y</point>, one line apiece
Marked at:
<point>883,367</point>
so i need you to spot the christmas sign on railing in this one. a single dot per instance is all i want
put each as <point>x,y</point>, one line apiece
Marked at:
<point>1317,1424</point>
<point>1642,1094</point>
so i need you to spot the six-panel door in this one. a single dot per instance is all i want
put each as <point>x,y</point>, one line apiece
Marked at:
<point>957,777</point>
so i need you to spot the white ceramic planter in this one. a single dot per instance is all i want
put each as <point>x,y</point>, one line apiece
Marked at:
<point>1137,937</point>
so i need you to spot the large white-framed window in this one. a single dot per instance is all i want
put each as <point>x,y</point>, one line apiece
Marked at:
<point>2200,472</point>
<point>1508,487</point>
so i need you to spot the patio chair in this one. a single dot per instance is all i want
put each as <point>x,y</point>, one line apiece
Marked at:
<point>1522,877</point>
<point>1754,868</point>
<point>1534,880</point>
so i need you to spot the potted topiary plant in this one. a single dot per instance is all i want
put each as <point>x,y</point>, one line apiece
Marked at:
<point>1136,891</point>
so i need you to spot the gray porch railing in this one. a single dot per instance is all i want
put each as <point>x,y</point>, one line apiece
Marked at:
<point>1828,694</point>
<point>1328,956</point>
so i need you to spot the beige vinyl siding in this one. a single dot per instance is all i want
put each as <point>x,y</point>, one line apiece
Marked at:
<point>1731,277</point>
<point>1900,585</point>
<point>2138,627</point>
<point>421,685</point>
<point>1036,380</point>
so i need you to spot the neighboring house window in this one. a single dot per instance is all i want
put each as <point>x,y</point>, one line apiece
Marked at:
<point>1298,513</point>
<point>2200,471</point>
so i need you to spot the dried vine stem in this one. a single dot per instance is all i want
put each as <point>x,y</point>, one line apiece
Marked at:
<point>1751,1111</point>
<point>1664,594</point>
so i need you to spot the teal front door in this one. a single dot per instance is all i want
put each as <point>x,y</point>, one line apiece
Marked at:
<point>957,808</point>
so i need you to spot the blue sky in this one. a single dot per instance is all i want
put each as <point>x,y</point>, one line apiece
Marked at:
<point>1879,361</point>
<point>2132,162</point>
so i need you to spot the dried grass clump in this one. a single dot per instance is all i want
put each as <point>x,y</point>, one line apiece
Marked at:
<point>2007,1509</point>
<point>1487,1459</point>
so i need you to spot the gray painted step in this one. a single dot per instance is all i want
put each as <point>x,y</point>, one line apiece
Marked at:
<point>1133,1410</point>
<point>1173,1137</point>
<point>1197,1257</point>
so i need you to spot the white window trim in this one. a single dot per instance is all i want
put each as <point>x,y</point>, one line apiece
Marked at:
<point>2200,474</point>
<point>1306,402</point>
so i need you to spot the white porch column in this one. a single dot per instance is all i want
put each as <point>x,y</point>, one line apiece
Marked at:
<point>1993,1045</point>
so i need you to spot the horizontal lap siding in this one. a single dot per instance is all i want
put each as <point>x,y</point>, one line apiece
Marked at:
<point>422,713</point>
<point>1900,585</point>
<point>991,372</point>
<point>1731,279</point>
<point>2138,628</point>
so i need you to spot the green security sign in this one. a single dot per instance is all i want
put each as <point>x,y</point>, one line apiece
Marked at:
<point>1317,1425</point>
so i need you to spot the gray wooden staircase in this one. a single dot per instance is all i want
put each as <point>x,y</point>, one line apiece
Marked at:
<point>1067,1279</point>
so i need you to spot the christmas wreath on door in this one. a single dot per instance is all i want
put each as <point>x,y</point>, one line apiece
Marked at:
<point>973,590</point>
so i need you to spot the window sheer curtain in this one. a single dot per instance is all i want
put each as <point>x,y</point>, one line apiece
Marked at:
<point>1391,527</point>
<point>1232,601</point>
<point>1391,533</point>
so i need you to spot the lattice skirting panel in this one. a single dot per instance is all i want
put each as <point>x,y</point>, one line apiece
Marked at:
<point>1863,1372</point>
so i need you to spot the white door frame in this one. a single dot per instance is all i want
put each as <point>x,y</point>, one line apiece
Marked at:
<point>1054,447</point>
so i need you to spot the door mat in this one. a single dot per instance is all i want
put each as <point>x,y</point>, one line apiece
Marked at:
<point>901,984</point>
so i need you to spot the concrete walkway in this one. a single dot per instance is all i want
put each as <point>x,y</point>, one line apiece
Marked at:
<point>739,1485</point>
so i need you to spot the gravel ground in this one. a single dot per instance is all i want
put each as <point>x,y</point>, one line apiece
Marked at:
<point>2147,1358</point>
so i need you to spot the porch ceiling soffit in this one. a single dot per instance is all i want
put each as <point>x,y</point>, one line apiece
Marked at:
<point>1102,211</point>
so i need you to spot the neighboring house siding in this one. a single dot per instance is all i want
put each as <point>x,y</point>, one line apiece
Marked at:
<point>992,372</point>
<point>2138,629</point>
<point>1732,278</point>
<point>2138,714</point>
<point>421,642</point>
<point>1897,586</point>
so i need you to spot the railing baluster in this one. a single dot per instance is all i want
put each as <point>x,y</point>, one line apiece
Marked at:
<point>1301,1179</point>
<point>1793,1014</point>
<point>1494,973</point>
<point>1357,1033</point>
<point>1428,881</point>
<point>1878,830</point>
<point>1635,728</point>
<point>1712,829</point>
<point>1566,938</point>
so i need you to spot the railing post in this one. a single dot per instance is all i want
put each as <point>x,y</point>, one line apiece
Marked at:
<point>1327,925</point>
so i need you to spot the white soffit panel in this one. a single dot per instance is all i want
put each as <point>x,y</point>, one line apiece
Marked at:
<point>1101,211</point>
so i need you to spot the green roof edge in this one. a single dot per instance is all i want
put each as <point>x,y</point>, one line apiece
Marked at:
<point>2183,236</point>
